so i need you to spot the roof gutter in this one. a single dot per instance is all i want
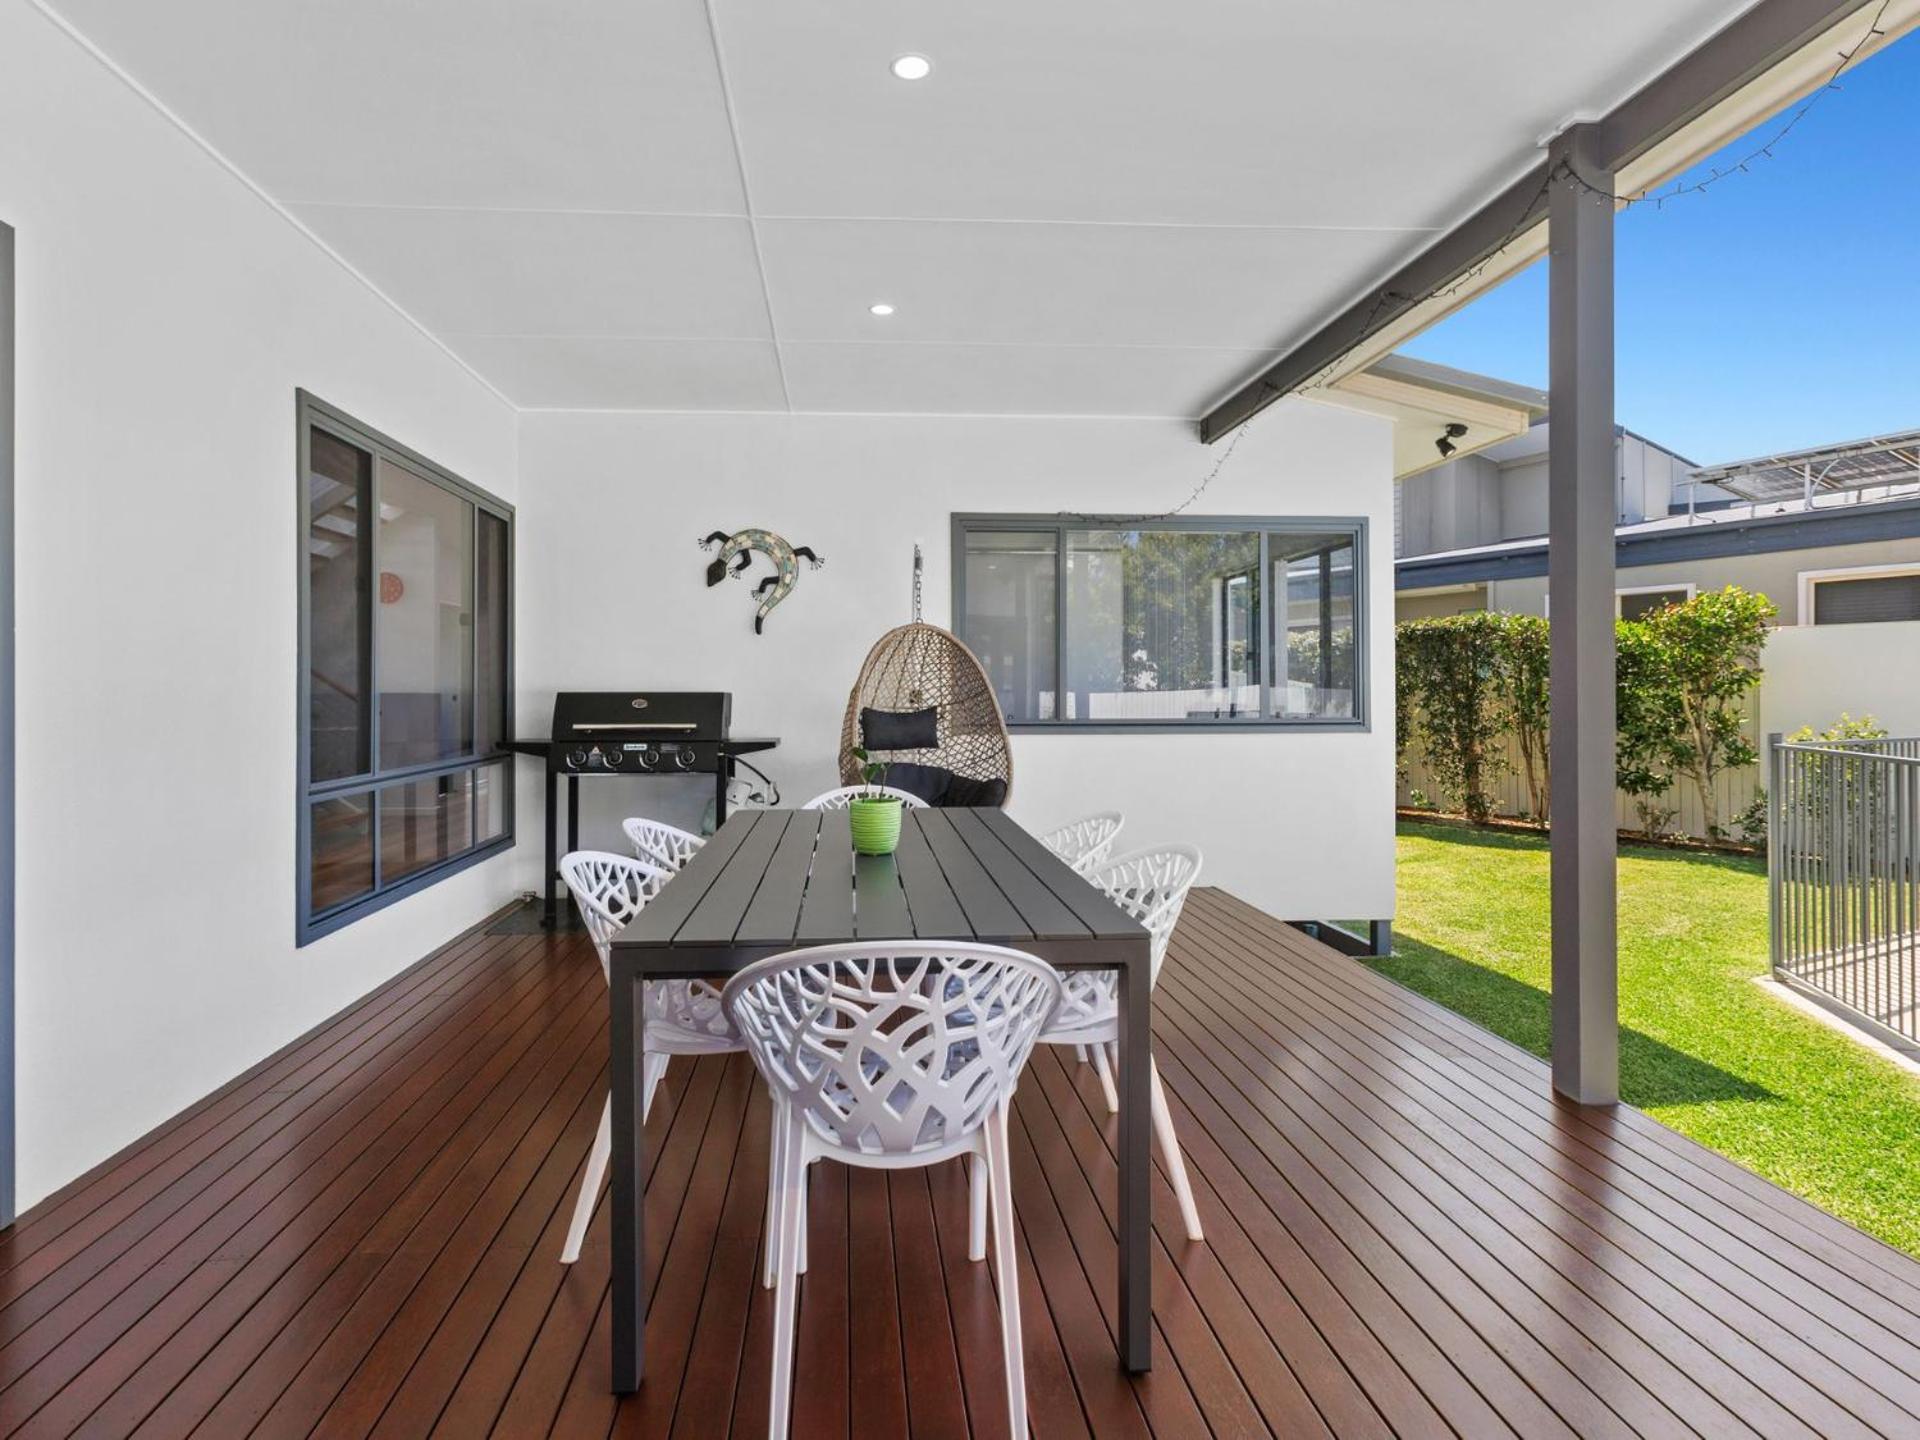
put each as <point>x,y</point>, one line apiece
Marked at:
<point>1683,113</point>
<point>1758,535</point>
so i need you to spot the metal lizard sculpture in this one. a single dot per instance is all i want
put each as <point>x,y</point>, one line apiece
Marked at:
<point>736,550</point>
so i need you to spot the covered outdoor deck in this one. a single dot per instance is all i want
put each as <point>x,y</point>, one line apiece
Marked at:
<point>1406,1234</point>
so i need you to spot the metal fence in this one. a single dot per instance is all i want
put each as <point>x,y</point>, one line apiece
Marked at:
<point>1843,865</point>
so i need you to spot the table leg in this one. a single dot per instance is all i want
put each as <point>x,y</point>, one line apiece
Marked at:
<point>573,813</point>
<point>549,914</point>
<point>1136,1165</point>
<point>628,1164</point>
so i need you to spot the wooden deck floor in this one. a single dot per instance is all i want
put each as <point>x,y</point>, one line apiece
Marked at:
<point>1406,1235</point>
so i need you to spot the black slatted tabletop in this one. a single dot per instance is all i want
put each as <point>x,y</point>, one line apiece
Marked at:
<point>775,880</point>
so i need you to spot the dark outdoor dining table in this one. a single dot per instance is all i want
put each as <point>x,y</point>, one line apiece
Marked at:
<point>775,880</point>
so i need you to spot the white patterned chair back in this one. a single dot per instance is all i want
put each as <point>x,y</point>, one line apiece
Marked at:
<point>893,1049</point>
<point>1151,886</point>
<point>657,843</point>
<point>843,797</point>
<point>1086,842</point>
<point>610,890</point>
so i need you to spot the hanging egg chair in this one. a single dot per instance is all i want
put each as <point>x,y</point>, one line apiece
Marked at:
<point>924,706</point>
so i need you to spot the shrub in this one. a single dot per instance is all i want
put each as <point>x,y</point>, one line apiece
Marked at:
<point>1524,657</point>
<point>1711,647</point>
<point>1450,702</point>
<point>1683,674</point>
<point>1845,728</point>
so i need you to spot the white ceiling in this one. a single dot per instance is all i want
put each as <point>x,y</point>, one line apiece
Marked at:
<point>1090,207</point>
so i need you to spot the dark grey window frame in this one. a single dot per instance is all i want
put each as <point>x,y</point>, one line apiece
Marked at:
<point>964,524</point>
<point>311,412</point>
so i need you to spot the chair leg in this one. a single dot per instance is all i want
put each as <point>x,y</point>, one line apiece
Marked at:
<point>651,1075</point>
<point>1080,1053</point>
<point>1105,1072</point>
<point>793,1178</point>
<point>776,1167</point>
<point>1006,1262</point>
<point>1170,1150</point>
<point>977,1207</point>
<point>590,1184</point>
<point>806,1218</point>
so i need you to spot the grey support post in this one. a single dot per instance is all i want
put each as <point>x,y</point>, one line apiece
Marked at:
<point>1580,559</point>
<point>7,1066</point>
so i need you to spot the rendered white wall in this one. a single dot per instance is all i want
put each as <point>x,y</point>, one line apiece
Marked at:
<point>166,315</point>
<point>612,594</point>
<point>1814,672</point>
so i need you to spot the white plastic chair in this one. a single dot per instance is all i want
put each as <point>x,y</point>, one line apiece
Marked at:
<point>1086,842</point>
<point>658,843</point>
<point>843,797</point>
<point>683,1017</point>
<point>892,1056</point>
<point>1151,886</point>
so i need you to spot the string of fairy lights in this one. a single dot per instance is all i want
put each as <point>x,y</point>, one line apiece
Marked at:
<point>1525,219</point>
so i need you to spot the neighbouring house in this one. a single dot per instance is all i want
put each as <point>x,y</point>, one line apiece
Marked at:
<point>1830,534</point>
<point>370,374</point>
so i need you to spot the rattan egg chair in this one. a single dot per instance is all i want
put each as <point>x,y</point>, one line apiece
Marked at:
<point>918,666</point>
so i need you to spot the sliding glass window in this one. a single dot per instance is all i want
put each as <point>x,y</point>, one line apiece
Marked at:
<point>1179,623</point>
<point>405,672</point>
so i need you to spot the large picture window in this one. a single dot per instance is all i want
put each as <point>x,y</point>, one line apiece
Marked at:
<point>405,672</point>
<point>1177,623</point>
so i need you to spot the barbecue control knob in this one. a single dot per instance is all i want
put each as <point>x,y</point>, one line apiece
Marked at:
<point>611,758</point>
<point>683,758</point>
<point>578,759</point>
<point>648,759</point>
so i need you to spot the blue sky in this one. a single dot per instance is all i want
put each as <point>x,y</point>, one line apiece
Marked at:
<point>1781,309</point>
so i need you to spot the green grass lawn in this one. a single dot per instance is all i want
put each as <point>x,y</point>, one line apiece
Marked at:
<point>1702,1047</point>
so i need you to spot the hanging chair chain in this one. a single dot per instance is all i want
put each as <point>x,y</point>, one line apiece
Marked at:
<point>916,584</point>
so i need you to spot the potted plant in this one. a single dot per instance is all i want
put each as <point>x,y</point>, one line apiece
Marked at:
<point>874,817</point>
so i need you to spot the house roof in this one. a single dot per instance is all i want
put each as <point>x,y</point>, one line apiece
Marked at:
<point>1824,469</point>
<point>1743,530</point>
<point>1465,383</point>
<point>1084,209</point>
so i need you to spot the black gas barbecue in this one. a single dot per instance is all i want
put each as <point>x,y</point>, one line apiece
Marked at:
<point>598,734</point>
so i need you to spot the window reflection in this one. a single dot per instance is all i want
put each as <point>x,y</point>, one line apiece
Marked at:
<point>1009,624</point>
<point>342,851</point>
<point>1315,677</point>
<point>424,621</point>
<point>1162,625</point>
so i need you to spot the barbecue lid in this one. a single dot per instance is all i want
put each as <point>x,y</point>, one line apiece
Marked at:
<point>642,714</point>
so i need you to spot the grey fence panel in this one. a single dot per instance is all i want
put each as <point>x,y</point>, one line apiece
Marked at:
<point>1844,876</point>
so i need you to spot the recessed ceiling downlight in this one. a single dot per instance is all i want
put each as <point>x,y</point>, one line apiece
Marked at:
<point>882,309</point>
<point>912,67</point>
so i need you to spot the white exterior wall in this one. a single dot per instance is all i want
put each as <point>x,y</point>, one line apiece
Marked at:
<point>1814,672</point>
<point>613,595</point>
<point>166,315</point>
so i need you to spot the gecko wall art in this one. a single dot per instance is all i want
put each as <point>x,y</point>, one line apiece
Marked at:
<point>736,554</point>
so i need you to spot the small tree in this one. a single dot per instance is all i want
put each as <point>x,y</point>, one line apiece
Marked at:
<point>1710,647</point>
<point>1524,664</point>
<point>1646,718</point>
<point>1451,701</point>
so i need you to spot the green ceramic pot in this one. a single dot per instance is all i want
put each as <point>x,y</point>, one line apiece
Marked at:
<point>876,824</point>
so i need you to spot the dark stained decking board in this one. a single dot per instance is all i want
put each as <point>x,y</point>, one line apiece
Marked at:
<point>1407,1234</point>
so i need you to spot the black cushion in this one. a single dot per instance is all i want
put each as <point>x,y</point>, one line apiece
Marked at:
<point>965,790</point>
<point>900,729</point>
<point>924,782</point>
